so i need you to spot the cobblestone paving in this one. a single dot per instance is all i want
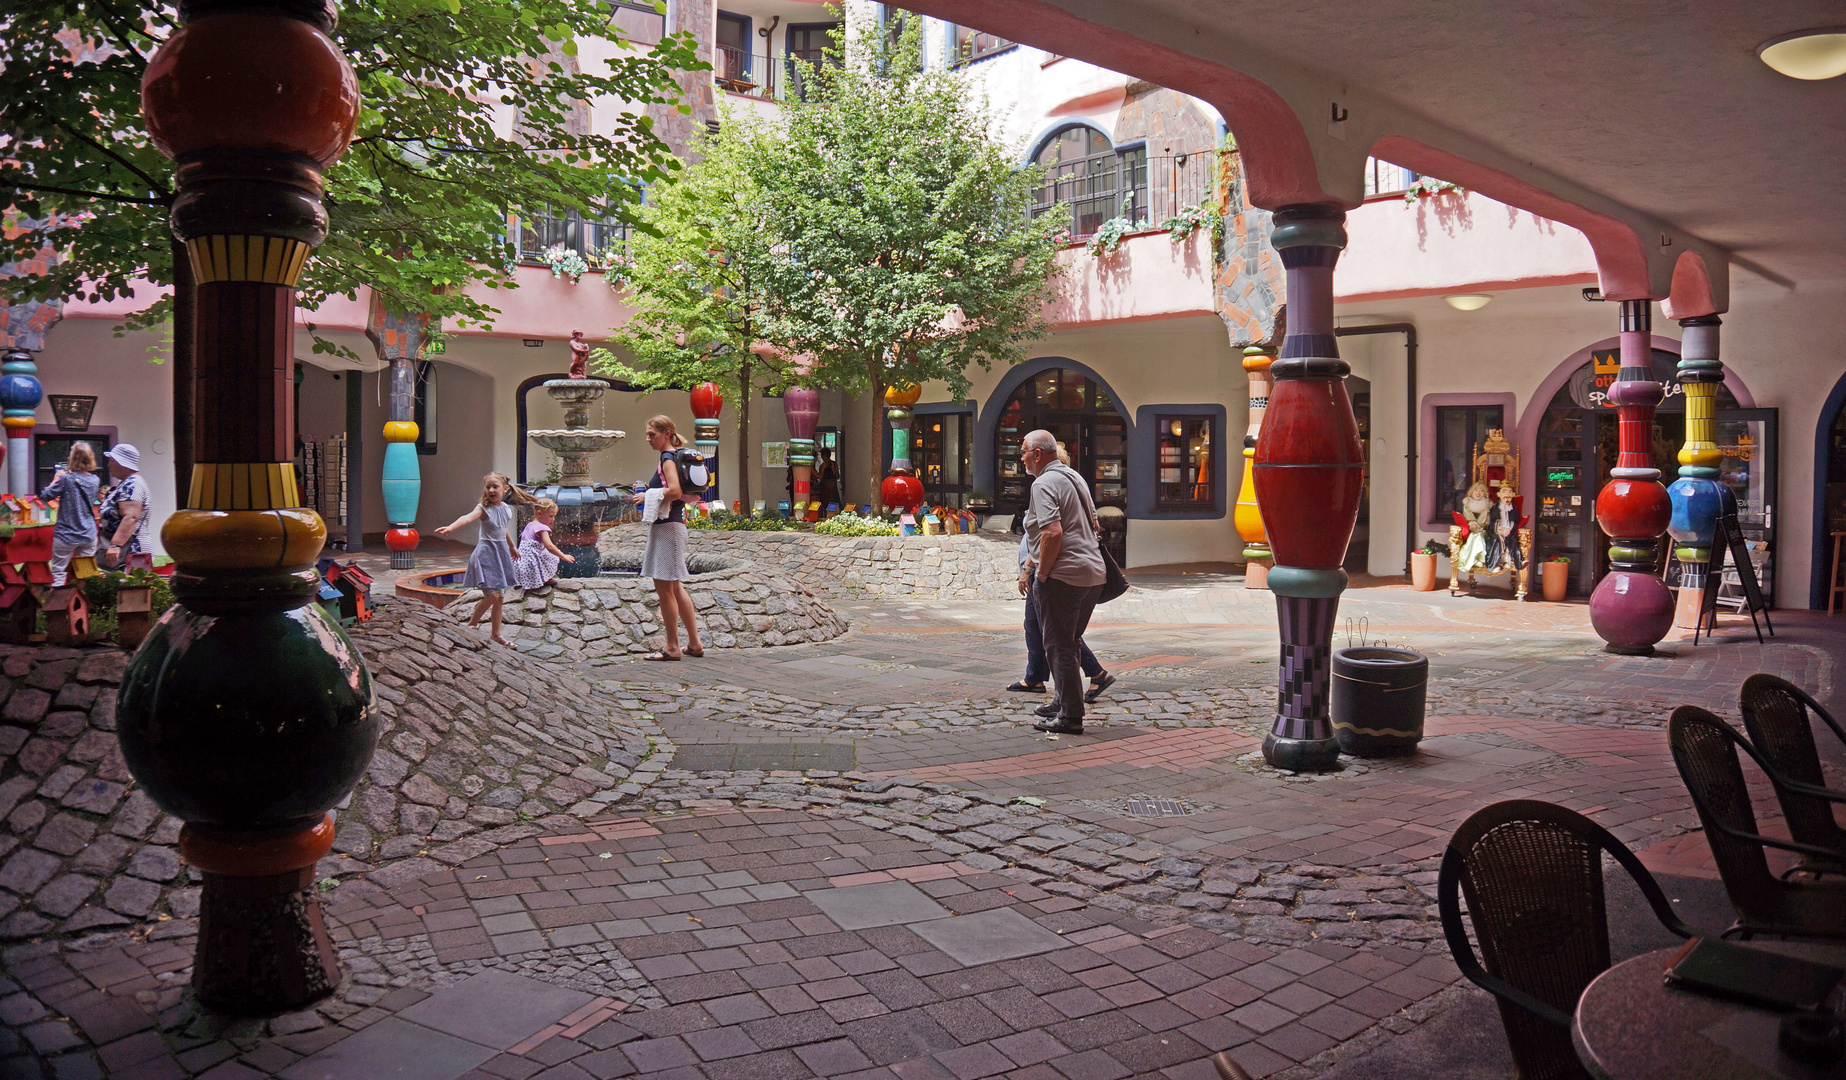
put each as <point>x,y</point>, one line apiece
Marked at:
<point>952,895</point>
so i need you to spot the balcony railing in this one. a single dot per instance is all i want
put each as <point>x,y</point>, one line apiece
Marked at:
<point>767,78</point>
<point>1144,190</point>
<point>539,233</point>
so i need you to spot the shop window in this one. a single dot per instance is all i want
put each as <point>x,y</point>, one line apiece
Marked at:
<point>1460,431</point>
<point>944,456</point>
<point>1188,453</point>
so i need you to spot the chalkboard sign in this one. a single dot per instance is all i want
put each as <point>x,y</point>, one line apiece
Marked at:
<point>1729,537</point>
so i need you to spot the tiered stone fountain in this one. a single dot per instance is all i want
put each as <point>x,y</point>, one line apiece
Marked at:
<point>582,503</point>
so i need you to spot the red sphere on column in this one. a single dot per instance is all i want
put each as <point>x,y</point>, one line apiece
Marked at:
<point>707,402</point>
<point>904,492</point>
<point>401,539</point>
<point>1633,508</point>
<point>250,80</point>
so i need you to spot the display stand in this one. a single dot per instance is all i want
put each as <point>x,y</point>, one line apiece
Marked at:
<point>1729,537</point>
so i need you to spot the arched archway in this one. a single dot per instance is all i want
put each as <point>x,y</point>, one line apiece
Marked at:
<point>1053,392</point>
<point>1084,170</point>
<point>1829,490</point>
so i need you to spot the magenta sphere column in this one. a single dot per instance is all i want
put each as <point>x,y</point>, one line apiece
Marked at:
<point>1632,608</point>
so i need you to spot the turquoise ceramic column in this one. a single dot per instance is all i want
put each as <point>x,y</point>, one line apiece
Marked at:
<point>400,341</point>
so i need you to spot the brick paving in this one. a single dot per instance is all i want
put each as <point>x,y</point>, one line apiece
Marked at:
<point>843,914</point>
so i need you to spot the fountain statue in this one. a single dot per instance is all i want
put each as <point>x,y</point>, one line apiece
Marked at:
<point>582,503</point>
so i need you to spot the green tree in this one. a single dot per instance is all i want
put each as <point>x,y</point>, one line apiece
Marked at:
<point>696,283</point>
<point>907,248</point>
<point>419,204</point>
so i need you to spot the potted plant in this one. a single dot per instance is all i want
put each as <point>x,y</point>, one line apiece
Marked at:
<point>1554,575</point>
<point>1423,566</point>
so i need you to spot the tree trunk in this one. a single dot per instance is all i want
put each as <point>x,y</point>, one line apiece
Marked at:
<point>874,494</point>
<point>744,457</point>
<point>185,307</point>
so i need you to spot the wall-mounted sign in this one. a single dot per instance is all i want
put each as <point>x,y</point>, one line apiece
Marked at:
<point>1561,476</point>
<point>775,455</point>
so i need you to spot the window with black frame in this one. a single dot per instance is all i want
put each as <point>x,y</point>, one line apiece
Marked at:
<point>966,44</point>
<point>1082,169</point>
<point>1187,456</point>
<point>1460,429</point>
<point>550,227</point>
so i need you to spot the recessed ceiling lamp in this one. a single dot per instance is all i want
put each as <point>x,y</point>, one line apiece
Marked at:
<point>1807,54</point>
<point>1473,301</point>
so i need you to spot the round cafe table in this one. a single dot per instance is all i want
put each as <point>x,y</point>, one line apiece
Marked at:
<point>1630,1025</point>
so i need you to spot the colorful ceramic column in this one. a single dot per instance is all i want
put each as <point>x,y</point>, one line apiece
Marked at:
<point>400,340</point>
<point>1310,471</point>
<point>1249,517</point>
<point>1698,496</point>
<point>801,407</point>
<point>901,491</point>
<point>247,712</point>
<point>1631,607</point>
<point>20,392</point>
<point>707,403</point>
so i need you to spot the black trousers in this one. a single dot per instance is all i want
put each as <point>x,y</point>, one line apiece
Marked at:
<point>1063,615</point>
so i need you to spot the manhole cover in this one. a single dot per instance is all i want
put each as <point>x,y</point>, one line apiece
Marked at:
<point>1155,808</point>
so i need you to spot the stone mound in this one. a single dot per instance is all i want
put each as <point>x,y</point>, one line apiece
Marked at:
<point>481,747</point>
<point>739,606</point>
<point>982,566</point>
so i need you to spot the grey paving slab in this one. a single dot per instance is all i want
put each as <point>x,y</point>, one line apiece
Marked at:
<point>987,936</point>
<point>495,1008</point>
<point>883,903</point>
<point>396,1049</point>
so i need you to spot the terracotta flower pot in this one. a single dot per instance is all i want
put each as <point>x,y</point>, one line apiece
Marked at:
<point>1556,579</point>
<point>1422,571</point>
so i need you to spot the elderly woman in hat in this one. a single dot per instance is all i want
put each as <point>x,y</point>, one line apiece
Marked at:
<point>126,516</point>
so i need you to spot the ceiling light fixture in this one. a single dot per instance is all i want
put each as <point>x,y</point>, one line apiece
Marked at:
<point>1468,301</point>
<point>1807,54</point>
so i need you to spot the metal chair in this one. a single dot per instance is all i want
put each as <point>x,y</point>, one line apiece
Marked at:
<point>1705,751</point>
<point>1775,714</point>
<point>1532,875</point>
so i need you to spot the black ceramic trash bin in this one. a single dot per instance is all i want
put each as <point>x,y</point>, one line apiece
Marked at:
<point>1378,696</point>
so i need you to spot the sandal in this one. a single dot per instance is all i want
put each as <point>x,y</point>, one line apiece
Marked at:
<point>660,656</point>
<point>696,653</point>
<point>1027,688</point>
<point>1097,686</point>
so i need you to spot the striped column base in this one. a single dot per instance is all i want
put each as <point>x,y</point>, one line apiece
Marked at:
<point>1302,739</point>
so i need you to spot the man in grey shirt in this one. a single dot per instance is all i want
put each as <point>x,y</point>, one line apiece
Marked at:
<point>1061,529</point>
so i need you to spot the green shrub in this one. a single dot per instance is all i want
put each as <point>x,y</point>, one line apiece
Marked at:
<point>847,523</point>
<point>100,591</point>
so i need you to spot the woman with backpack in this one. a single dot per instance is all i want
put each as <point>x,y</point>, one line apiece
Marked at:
<point>664,559</point>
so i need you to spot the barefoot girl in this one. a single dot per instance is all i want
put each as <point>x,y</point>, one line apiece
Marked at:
<point>490,567</point>
<point>538,555</point>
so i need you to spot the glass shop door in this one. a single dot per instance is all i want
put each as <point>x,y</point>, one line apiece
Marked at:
<point>1751,445</point>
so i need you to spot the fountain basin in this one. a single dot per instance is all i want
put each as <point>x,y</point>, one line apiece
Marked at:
<point>575,440</point>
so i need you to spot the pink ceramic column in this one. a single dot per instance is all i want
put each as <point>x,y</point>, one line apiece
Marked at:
<point>1632,608</point>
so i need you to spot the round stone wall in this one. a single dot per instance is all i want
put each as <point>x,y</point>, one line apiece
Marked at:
<point>981,566</point>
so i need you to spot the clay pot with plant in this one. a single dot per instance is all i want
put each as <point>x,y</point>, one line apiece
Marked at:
<point>1554,575</point>
<point>1423,566</point>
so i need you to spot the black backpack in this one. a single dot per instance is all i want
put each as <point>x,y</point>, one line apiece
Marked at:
<point>694,474</point>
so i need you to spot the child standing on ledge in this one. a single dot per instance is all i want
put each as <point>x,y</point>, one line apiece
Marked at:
<point>538,554</point>
<point>75,487</point>
<point>490,567</point>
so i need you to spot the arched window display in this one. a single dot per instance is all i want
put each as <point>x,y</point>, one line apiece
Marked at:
<point>1080,415</point>
<point>1081,167</point>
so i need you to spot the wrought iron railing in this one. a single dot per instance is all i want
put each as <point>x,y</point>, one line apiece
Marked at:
<point>1143,190</point>
<point>767,78</point>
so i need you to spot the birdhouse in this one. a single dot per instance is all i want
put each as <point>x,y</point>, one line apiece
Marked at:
<point>355,588</point>
<point>38,573</point>
<point>84,566</point>
<point>134,614</point>
<point>142,560</point>
<point>67,616</point>
<point>18,612</point>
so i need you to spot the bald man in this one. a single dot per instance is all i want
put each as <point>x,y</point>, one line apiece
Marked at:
<point>1064,537</point>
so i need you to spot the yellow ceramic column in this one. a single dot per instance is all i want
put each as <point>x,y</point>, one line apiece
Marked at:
<point>1248,518</point>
